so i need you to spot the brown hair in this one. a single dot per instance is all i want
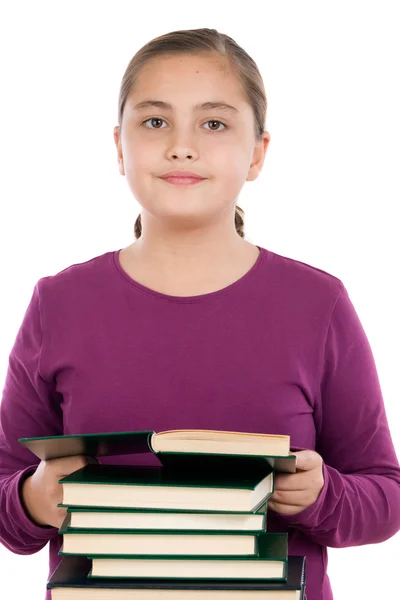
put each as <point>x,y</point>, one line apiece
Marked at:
<point>196,41</point>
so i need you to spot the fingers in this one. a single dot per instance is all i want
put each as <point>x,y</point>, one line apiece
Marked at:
<point>66,465</point>
<point>296,491</point>
<point>292,482</point>
<point>307,460</point>
<point>292,498</point>
<point>285,509</point>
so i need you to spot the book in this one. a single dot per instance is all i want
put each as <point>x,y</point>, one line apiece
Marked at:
<point>269,563</point>
<point>177,448</point>
<point>147,543</point>
<point>127,486</point>
<point>158,519</point>
<point>70,581</point>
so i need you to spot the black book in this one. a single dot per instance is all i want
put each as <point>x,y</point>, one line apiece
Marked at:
<point>70,582</point>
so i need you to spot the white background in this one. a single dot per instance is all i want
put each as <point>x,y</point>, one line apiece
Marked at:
<point>327,195</point>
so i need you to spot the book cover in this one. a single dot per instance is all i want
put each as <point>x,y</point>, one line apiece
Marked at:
<point>193,460</point>
<point>240,479</point>
<point>89,444</point>
<point>100,509</point>
<point>262,510</point>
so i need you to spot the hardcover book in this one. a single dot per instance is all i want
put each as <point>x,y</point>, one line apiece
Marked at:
<point>70,581</point>
<point>162,519</point>
<point>188,448</point>
<point>269,563</point>
<point>126,486</point>
<point>149,543</point>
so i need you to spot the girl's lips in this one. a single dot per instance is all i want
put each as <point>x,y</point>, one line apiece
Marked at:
<point>182,180</point>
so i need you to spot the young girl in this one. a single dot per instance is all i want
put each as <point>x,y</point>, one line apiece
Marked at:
<point>191,326</point>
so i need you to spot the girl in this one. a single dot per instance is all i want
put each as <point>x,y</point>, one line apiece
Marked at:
<point>191,326</point>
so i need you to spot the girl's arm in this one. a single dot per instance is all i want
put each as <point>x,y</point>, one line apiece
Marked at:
<point>30,407</point>
<point>360,500</point>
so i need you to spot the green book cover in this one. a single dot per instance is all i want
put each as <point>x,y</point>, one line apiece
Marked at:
<point>89,444</point>
<point>239,479</point>
<point>96,509</point>
<point>193,460</point>
<point>138,442</point>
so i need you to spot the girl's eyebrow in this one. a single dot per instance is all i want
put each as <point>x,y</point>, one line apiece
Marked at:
<point>197,107</point>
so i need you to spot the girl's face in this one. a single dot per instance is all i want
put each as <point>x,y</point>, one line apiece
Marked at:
<point>218,144</point>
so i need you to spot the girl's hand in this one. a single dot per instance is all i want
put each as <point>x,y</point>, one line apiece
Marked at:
<point>41,491</point>
<point>294,492</point>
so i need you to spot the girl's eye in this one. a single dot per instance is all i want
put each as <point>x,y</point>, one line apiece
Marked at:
<point>159,119</point>
<point>216,121</point>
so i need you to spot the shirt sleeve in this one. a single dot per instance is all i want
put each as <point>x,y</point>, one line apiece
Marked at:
<point>29,408</point>
<point>360,500</point>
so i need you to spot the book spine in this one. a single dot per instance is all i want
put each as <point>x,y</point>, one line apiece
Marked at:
<point>149,442</point>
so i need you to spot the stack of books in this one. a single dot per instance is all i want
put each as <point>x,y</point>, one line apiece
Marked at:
<point>195,526</point>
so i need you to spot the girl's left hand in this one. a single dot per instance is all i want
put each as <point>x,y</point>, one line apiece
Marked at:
<point>294,492</point>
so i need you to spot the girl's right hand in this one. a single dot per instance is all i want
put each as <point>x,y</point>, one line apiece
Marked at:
<point>41,491</point>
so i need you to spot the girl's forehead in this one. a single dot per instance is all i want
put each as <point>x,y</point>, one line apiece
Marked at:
<point>201,66</point>
<point>194,80</point>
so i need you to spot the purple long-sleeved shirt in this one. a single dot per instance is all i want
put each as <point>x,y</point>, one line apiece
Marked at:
<point>281,350</point>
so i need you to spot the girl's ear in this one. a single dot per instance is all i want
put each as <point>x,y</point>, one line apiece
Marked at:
<point>259,153</point>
